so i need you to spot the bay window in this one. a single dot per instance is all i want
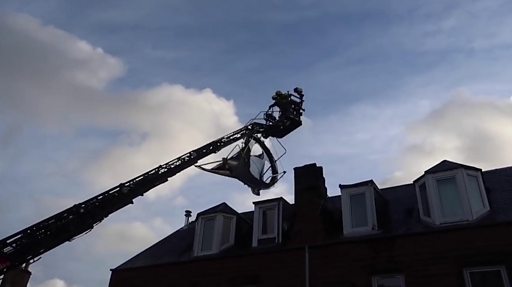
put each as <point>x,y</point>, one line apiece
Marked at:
<point>213,233</point>
<point>358,208</point>
<point>451,196</point>
<point>267,223</point>
<point>495,276</point>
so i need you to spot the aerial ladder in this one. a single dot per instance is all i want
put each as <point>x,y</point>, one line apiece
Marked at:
<point>19,250</point>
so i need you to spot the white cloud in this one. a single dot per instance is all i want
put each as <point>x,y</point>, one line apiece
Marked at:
<point>129,237</point>
<point>162,123</point>
<point>54,82</point>
<point>49,77</point>
<point>54,89</point>
<point>49,53</point>
<point>160,226</point>
<point>466,129</point>
<point>180,201</point>
<point>242,201</point>
<point>56,282</point>
<point>353,144</point>
<point>458,25</point>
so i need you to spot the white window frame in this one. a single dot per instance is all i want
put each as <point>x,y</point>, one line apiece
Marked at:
<point>420,202</point>
<point>369,192</point>
<point>461,190</point>
<point>434,200</point>
<point>376,277</point>
<point>217,233</point>
<point>503,270</point>
<point>258,223</point>
<point>483,194</point>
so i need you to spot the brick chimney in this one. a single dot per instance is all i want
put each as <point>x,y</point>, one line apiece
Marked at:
<point>310,195</point>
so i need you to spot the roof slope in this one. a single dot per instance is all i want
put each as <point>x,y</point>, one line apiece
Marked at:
<point>173,248</point>
<point>402,218</point>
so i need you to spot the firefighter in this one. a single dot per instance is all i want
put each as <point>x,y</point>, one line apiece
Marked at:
<point>282,101</point>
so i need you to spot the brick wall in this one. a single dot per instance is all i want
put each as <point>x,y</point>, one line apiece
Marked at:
<point>431,259</point>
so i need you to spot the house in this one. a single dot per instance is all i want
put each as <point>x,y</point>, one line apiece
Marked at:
<point>452,226</point>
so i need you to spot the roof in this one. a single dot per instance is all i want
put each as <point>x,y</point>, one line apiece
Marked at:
<point>173,248</point>
<point>219,208</point>
<point>446,165</point>
<point>401,214</point>
<point>358,184</point>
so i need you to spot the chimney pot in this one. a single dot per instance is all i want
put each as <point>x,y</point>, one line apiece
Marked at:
<point>188,214</point>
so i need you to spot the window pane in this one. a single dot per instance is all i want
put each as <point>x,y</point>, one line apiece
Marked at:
<point>424,200</point>
<point>487,278</point>
<point>268,220</point>
<point>388,281</point>
<point>358,210</point>
<point>226,230</point>
<point>451,206</point>
<point>474,193</point>
<point>208,229</point>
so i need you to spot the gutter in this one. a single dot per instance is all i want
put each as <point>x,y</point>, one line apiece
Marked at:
<point>306,265</point>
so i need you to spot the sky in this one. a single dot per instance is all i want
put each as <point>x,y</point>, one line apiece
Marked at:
<point>93,93</point>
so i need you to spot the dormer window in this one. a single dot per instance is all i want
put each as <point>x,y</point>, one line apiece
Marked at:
<point>267,225</point>
<point>358,207</point>
<point>451,196</point>
<point>213,233</point>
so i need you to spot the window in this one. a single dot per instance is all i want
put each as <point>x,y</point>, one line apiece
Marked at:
<point>208,230</point>
<point>495,276</point>
<point>227,227</point>
<point>475,194</point>
<point>451,196</point>
<point>214,233</point>
<point>425,205</point>
<point>267,222</point>
<point>393,280</point>
<point>358,207</point>
<point>358,210</point>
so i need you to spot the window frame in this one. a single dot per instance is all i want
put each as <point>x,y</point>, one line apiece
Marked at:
<point>483,194</point>
<point>376,277</point>
<point>217,233</point>
<point>258,223</point>
<point>201,234</point>
<point>261,210</point>
<point>502,269</point>
<point>232,228</point>
<point>434,200</point>
<point>346,209</point>
<point>461,191</point>
<point>420,201</point>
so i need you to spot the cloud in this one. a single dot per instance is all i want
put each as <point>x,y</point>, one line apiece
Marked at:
<point>242,201</point>
<point>57,84</point>
<point>49,53</point>
<point>64,127</point>
<point>56,282</point>
<point>480,25</point>
<point>126,237</point>
<point>466,129</point>
<point>353,144</point>
<point>160,124</point>
<point>49,77</point>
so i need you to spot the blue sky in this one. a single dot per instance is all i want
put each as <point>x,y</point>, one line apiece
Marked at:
<point>92,94</point>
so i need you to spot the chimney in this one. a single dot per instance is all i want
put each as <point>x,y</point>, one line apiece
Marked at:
<point>188,214</point>
<point>310,196</point>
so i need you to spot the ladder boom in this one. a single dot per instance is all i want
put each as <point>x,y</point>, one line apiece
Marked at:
<point>25,246</point>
